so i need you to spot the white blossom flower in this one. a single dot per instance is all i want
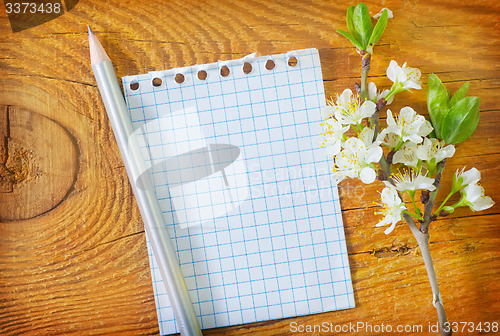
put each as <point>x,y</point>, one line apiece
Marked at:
<point>332,146</point>
<point>345,97</point>
<point>407,155</point>
<point>333,133</point>
<point>367,136</point>
<point>425,129</point>
<point>434,149</point>
<point>411,180</point>
<point>407,78</point>
<point>393,207</point>
<point>349,110</point>
<point>391,140</point>
<point>338,175</point>
<point>473,196</point>
<point>464,178</point>
<point>355,160</point>
<point>379,14</point>
<point>407,125</point>
<point>375,96</point>
<point>327,111</point>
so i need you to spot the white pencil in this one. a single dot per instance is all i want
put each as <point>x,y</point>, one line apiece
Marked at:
<point>154,223</point>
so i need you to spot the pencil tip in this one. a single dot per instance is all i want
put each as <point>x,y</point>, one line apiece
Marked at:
<point>97,53</point>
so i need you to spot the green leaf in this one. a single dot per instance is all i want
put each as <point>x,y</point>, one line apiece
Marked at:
<point>350,24</point>
<point>350,38</point>
<point>460,94</point>
<point>461,121</point>
<point>379,28</point>
<point>437,102</point>
<point>362,24</point>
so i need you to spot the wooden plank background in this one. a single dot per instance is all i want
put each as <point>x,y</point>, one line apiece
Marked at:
<point>73,257</point>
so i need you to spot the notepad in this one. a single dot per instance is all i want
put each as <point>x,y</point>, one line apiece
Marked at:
<point>233,151</point>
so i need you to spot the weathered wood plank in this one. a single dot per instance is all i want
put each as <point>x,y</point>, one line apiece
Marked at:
<point>82,267</point>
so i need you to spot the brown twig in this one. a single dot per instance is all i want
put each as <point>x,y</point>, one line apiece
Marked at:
<point>428,218</point>
<point>423,243</point>
<point>365,68</point>
<point>374,119</point>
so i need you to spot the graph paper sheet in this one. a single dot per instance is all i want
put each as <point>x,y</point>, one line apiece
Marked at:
<point>245,189</point>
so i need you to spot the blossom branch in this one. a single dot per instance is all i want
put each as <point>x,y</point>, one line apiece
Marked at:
<point>423,243</point>
<point>374,119</point>
<point>365,68</point>
<point>385,169</point>
<point>428,218</point>
<point>417,157</point>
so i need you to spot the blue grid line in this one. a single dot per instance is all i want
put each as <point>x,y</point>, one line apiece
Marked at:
<point>266,305</point>
<point>289,179</point>
<point>156,289</point>
<point>312,238</point>
<point>236,215</point>
<point>216,238</point>
<point>321,209</point>
<point>242,119</point>
<point>250,267</point>
<point>256,306</point>
<point>250,240</point>
<point>212,96</point>
<point>206,257</point>
<point>197,291</point>
<point>298,301</point>
<point>253,210</point>
<point>156,108</point>
<point>267,214</point>
<point>287,86</point>
<point>234,261</point>
<point>254,198</point>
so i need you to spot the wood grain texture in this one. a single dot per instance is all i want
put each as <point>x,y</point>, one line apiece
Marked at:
<point>81,267</point>
<point>41,164</point>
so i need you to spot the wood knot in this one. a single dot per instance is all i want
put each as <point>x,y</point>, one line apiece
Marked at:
<point>392,251</point>
<point>38,163</point>
<point>17,168</point>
